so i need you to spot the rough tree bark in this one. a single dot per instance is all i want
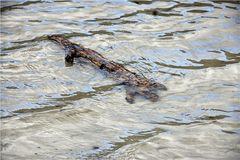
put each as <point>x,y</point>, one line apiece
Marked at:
<point>135,84</point>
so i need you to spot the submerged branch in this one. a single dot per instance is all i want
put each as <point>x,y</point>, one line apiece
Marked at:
<point>136,84</point>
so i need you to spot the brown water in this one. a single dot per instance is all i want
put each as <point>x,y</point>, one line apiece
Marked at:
<point>51,111</point>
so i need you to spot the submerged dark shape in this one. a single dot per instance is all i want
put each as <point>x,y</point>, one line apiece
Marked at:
<point>135,83</point>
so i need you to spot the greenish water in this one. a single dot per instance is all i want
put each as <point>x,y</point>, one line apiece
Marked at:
<point>53,111</point>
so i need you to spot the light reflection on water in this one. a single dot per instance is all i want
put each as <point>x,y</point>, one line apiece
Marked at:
<point>78,112</point>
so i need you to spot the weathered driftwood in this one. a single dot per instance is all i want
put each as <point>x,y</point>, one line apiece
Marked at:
<point>135,84</point>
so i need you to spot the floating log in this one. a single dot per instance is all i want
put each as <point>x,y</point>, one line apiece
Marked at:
<point>135,84</point>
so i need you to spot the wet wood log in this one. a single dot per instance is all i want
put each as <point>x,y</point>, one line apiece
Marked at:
<point>135,84</point>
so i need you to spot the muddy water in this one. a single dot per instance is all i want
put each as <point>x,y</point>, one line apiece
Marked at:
<point>53,111</point>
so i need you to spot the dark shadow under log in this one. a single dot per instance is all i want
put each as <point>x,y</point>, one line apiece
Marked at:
<point>135,84</point>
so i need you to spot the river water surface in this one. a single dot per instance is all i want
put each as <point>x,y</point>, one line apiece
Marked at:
<point>56,112</point>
